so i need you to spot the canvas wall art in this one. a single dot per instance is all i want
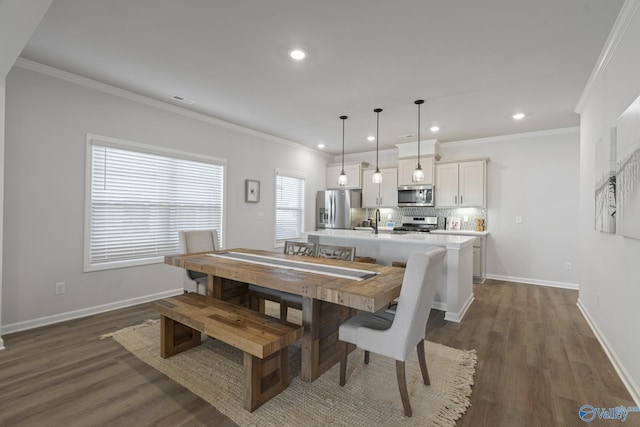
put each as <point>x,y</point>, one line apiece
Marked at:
<point>628,172</point>
<point>605,188</point>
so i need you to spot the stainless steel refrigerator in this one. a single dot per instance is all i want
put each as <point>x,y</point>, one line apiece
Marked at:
<point>339,209</point>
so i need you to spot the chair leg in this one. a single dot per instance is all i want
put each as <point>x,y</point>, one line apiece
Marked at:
<point>402,385</point>
<point>283,310</point>
<point>423,363</point>
<point>366,357</point>
<point>343,364</point>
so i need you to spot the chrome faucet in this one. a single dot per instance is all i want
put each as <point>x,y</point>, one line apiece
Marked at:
<point>375,228</point>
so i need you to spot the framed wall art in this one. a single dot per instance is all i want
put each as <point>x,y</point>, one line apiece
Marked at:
<point>251,191</point>
<point>605,183</point>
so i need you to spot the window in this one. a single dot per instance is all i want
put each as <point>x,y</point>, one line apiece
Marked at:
<point>289,206</point>
<point>139,197</point>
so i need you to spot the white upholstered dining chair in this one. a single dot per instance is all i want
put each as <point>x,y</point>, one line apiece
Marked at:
<point>396,335</point>
<point>192,241</point>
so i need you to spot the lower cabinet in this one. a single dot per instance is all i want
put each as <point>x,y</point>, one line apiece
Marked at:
<point>479,254</point>
<point>479,263</point>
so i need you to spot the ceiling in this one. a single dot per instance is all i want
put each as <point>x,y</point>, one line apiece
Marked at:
<point>474,62</point>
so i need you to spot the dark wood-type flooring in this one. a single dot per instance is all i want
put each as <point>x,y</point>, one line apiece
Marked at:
<point>538,363</point>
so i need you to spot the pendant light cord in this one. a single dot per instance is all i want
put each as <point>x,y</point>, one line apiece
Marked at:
<point>343,119</point>
<point>377,111</point>
<point>419,102</point>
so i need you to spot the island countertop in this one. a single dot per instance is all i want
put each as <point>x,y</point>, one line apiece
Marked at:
<point>455,289</point>
<point>445,240</point>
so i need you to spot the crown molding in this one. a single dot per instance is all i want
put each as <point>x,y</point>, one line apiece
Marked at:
<point>131,96</point>
<point>511,137</point>
<point>627,13</point>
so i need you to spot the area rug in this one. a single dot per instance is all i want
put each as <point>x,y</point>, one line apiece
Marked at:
<point>213,371</point>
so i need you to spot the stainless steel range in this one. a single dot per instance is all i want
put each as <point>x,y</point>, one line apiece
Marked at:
<point>417,224</point>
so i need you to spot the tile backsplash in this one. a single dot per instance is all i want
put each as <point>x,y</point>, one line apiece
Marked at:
<point>395,215</point>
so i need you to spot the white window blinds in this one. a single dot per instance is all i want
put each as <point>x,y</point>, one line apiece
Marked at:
<point>289,206</point>
<point>139,200</point>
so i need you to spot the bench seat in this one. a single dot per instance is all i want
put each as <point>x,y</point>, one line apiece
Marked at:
<point>263,339</point>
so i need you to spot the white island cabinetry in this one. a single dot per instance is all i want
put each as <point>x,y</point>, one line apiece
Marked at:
<point>479,251</point>
<point>455,285</point>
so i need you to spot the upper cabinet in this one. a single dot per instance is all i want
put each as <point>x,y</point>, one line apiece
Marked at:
<point>380,195</point>
<point>353,171</point>
<point>407,165</point>
<point>461,184</point>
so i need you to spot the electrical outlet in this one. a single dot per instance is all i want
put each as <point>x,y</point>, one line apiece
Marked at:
<point>518,219</point>
<point>568,266</point>
<point>60,288</point>
<point>598,300</point>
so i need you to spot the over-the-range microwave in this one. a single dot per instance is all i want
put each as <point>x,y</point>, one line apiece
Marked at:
<point>415,195</point>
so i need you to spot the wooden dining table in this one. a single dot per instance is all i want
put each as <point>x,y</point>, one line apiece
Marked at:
<point>329,296</point>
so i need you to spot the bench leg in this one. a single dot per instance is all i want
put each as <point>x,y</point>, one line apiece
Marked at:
<point>176,337</point>
<point>264,378</point>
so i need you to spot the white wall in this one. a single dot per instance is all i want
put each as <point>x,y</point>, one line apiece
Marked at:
<point>610,290</point>
<point>47,122</point>
<point>535,176</point>
<point>2,121</point>
<point>18,20</point>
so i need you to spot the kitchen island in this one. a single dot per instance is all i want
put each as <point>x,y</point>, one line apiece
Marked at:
<point>455,286</point>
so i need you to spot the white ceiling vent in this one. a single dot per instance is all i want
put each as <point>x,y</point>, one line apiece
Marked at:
<point>183,99</point>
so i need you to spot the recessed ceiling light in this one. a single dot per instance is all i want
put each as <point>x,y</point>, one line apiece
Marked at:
<point>371,138</point>
<point>297,54</point>
<point>320,145</point>
<point>434,128</point>
<point>518,116</point>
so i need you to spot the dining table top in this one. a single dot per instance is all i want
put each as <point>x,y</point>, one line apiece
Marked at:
<point>296,274</point>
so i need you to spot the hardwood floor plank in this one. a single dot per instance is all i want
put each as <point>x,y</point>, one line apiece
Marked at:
<point>538,363</point>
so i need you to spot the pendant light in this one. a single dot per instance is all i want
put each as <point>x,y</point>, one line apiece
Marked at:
<point>418,173</point>
<point>342,179</point>
<point>377,176</point>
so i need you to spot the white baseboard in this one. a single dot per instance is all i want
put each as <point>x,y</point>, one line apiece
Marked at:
<point>457,317</point>
<point>442,306</point>
<point>527,281</point>
<point>628,382</point>
<point>70,315</point>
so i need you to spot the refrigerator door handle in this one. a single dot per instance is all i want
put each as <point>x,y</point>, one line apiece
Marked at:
<point>330,209</point>
<point>333,209</point>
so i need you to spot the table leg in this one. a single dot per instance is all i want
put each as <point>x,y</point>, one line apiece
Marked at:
<point>320,345</point>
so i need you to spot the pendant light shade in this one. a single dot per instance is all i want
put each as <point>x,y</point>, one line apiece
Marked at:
<point>418,173</point>
<point>342,179</point>
<point>377,176</point>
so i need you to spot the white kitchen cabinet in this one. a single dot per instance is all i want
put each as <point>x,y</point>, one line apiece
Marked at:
<point>352,170</point>
<point>407,165</point>
<point>479,260</point>
<point>380,195</point>
<point>461,184</point>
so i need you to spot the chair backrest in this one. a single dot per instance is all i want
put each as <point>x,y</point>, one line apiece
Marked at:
<point>416,298</point>
<point>192,241</point>
<point>300,248</point>
<point>346,253</point>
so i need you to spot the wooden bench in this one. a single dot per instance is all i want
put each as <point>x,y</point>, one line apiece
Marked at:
<point>263,339</point>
